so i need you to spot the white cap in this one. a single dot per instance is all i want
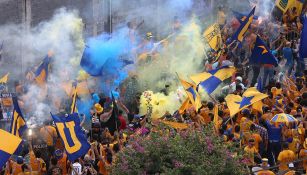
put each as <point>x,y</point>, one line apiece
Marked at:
<point>239,78</point>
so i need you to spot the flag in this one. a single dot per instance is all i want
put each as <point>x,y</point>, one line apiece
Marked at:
<point>185,105</point>
<point>258,106</point>
<point>284,5</point>
<point>241,17</point>
<point>74,99</point>
<point>41,72</point>
<point>239,34</point>
<point>213,36</point>
<point>8,145</point>
<point>74,139</point>
<point>175,125</point>
<point>261,54</point>
<point>236,103</point>
<point>212,79</point>
<point>298,4</point>
<point>113,123</point>
<point>18,123</point>
<point>303,44</point>
<point>5,78</point>
<point>192,93</point>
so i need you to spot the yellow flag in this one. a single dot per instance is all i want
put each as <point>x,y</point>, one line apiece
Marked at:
<point>213,36</point>
<point>298,4</point>
<point>5,78</point>
<point>258,106</point>
<point>185,105</point>
<point>175,125</point>
<point>237,103</point>
<point>284,5</point>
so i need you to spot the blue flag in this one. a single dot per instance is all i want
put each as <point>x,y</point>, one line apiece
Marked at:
<point>74,139</point>
<point>303,44</point>
<point>239,35</point>
<point>261,54</point>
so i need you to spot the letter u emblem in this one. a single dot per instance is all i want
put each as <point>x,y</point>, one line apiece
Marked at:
<point>69,137</point>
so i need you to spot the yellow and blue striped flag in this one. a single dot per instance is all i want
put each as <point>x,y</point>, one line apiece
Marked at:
<point>8,145</point>
<point>18,123</point>
<point>212,79</point>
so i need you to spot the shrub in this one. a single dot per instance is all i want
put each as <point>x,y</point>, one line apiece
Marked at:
<point>184,152</point>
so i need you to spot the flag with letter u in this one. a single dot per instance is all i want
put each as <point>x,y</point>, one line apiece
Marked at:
<point>18,123</point>
<point>213,36</point>
<point>74,139</point>
<point>8,145</point>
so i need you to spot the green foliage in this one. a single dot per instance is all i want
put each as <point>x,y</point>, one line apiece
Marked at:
<point>185,152</point>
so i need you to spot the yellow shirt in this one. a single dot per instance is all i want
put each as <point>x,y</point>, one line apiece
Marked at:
<point>250,153</point>
<point>284,158</point>
<point>48,133</point>
<point>303,154</point>
<point>265,172</point>
<point>257,139</point>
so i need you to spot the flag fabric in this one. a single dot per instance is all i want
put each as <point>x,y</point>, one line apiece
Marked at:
<point>8,145</point>
<point>74,139</point>
<point>18,123</point>
<point>236,103</point>
<point>192,93</point>
<point>212,79</point>
<point>261,54</point>
<point>5,78</point>
<point>284,5</point>
<point>239,34</point>
<point>258,106</point>
<point>41,73</point>
<point>241,17</point>
<point>298,4</point>
<point>74,99</point>
<point>113,123</point>
<point>185,105</point>
<point>303,44</point>
<point>175,125</point>
<point>213,36</point>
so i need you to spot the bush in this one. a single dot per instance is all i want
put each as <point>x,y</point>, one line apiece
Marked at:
<point>185,152</point>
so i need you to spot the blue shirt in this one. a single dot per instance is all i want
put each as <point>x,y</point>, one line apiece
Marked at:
<point>287,52</point>
<point>273,132</point>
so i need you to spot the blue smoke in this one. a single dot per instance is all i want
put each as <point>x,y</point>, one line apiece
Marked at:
<point>105,56</point>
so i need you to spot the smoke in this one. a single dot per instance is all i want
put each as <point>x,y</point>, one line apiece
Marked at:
<point>183,53</point>
<point>62,35</point>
